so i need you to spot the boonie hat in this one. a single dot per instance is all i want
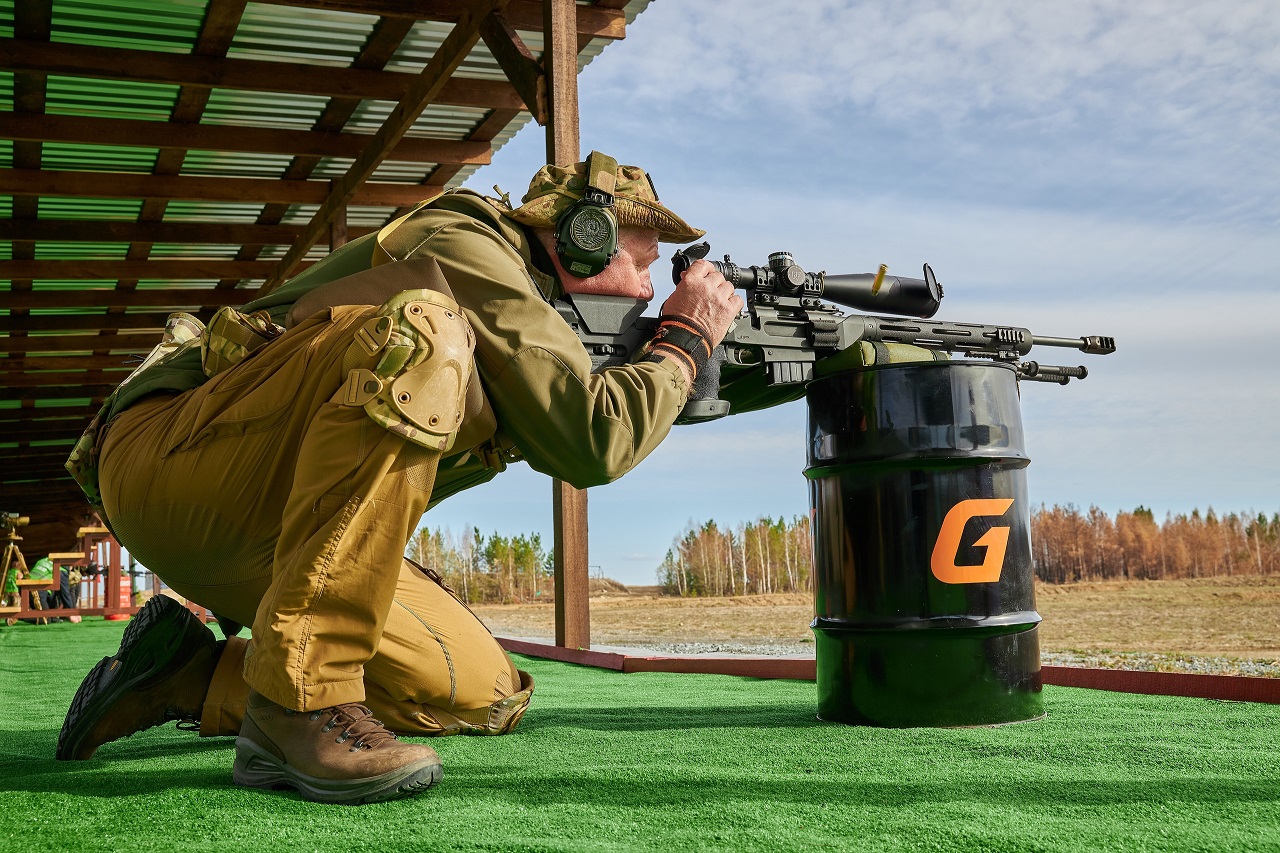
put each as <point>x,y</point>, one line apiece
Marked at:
<point>555,189</point>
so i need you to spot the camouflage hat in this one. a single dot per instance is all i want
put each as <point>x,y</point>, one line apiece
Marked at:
<point>555,189</point>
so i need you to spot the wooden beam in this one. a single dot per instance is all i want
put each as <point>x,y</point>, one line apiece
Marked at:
<point>524,72</point>
<point>50,467</point>
<point>29,467</point>
<point>83,379</point>
<point>35,495</point>
<point>217,30</point>
<point>49,182</point>
<point>12,366</point>
<point>41,433</point>
<point>338,230</point>
<point>12,478</point>
<point>89,322</point>
<point>423,91</point>
<point>140,343</point>
<point>86,130</point>
<point>51,438</point>
<point>96,391</point>
<point>121,231</point>
<point>593,22</point>
<point>50,414</point>
<point>92,269</point>
<point>37,456</point>
<point>24,461</point>
<point>251,75</point>
<point>37,467</point>
<point>386,37</point>
<point>62,494</point>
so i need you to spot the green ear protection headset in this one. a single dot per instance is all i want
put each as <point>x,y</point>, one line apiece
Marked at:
<point>587,233</point>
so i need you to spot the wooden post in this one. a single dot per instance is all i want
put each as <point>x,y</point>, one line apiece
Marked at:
<point>560,64</point>
<point>573,589</point>
<point>569,505</point>
<point>338,229</point>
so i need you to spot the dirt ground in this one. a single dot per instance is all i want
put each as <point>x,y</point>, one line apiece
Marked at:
<point>1179,625</point>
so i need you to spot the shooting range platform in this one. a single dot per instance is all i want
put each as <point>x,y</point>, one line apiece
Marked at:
<point>609,760</point>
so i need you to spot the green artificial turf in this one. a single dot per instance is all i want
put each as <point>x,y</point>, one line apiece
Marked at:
<point>606,761</point>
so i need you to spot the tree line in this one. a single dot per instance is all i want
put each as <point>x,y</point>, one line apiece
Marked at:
<point>1068,545</point>
<point>771,555</point>
<point>763,556</point>
<point>494,569</point>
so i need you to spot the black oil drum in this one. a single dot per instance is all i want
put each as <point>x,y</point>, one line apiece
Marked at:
<point>924,592</point>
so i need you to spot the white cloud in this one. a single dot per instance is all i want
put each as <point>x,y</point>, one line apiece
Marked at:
<point>945,61</point>
<point>1166,104</point>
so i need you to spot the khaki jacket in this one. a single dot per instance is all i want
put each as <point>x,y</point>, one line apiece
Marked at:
<point>587,429</point>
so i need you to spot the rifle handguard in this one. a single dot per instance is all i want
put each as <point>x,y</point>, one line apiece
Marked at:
<point>682,339</point>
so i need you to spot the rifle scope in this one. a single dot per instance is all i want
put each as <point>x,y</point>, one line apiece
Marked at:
<point>892,294</point>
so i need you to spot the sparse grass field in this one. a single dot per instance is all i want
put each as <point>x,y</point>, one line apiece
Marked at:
<point>1222,625</point>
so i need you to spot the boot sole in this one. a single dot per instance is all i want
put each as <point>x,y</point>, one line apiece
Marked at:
<point>146,650</point>
<point>257,768</point>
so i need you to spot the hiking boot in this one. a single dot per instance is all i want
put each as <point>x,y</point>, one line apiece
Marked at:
<point>335,755</point>
<point>161,673</point>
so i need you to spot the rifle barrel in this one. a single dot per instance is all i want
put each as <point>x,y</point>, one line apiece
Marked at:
<point>1092,344</point>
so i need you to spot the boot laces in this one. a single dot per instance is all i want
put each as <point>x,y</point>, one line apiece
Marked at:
<point>358,722</point>
<point>187,722</point>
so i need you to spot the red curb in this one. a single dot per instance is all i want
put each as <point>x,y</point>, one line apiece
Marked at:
<point>1236,688</point>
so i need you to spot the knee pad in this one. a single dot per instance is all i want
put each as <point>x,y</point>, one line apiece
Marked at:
<point>417,389</point>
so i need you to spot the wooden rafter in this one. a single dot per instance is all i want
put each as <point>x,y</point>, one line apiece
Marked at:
<point>32,460</point>
<point>487,130</point>
<point>36,457</point>
<point>424,90</point>
<point>524,72</point>
<point>41,380</point>
<point>81,343</point>
<point>89,321</point>
<point>78,391</point>
<point>381,45</point>
<point>33,20</point>
<point>46,414</point>
<point>44,433</point>
<point>13,366</point>
<point>221,20</point>
<point>605,20</point>
<point>100,270</point>
<point>250,75</point>
<point>78,354</point>
<point>120,185</point>
<point>106,231</point>
<point>87,130</point>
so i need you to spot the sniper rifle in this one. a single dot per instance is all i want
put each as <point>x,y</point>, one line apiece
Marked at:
<point>787,326</point>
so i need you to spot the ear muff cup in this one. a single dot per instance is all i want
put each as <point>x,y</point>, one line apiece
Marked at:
<point>587,233</point>
<point>587,238</point>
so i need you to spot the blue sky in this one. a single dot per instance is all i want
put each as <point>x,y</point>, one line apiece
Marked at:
<point>1085,168</point>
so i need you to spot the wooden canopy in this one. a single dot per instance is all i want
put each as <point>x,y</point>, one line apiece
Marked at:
<point>159,156</point>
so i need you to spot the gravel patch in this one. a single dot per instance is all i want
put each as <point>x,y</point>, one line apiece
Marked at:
<point>1154,662</point>
<point>779,649</point>
<point>1141,661</point>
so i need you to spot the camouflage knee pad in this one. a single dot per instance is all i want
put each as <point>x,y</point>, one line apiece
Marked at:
<point>417,389</point>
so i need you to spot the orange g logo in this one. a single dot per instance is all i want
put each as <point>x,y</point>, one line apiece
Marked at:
<point>995,540</point>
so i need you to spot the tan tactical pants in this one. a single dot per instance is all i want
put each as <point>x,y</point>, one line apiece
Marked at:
<point>261,496</point>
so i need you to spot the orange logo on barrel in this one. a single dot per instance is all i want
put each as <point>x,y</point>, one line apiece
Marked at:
<point>995,540</point>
